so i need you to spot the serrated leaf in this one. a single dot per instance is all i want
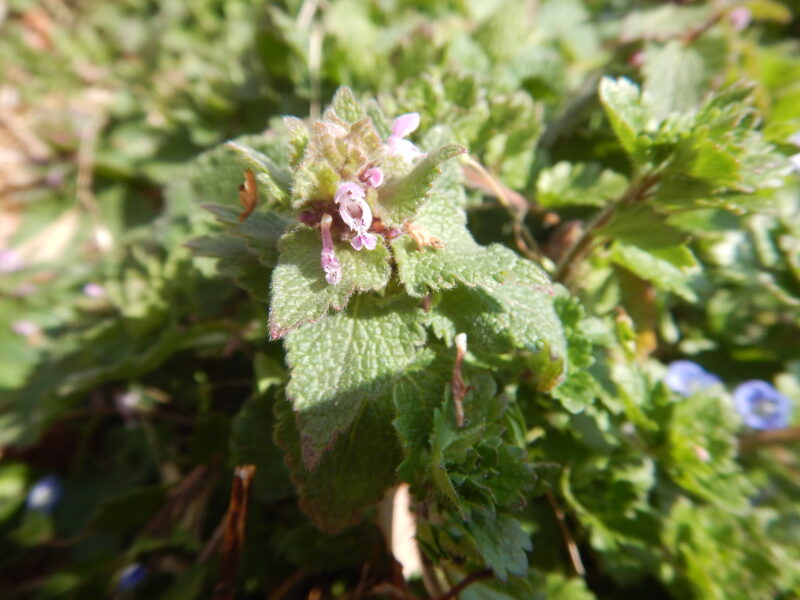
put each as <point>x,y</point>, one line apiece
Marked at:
<point>236,261</point>
<point>649,266</point>
<point>346,107</point>
<point>299,292</point>
<point>462,260</point>
<point>352,475</point>
<point>625,109</point>
<point>339,363</point>
<point>260,230</point>
<point>400,198</point>
<point>502,543</point>
<point>517,314</point>
<point>273,179</point>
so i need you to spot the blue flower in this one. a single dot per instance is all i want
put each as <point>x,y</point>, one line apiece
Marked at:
<point>686,378</point>
<point>131,576</point>
<point>761,405</point>
<point>45,494</point>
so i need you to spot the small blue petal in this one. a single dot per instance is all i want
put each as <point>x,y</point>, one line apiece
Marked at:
<point>761,406</point>
<point>686,378</point>
<point>131,576</point>
<point>45,494</point>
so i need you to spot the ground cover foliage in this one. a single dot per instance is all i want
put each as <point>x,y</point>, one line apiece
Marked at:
<point>538,263</point>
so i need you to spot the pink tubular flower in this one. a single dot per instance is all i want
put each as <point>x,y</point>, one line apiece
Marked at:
<point>403,126</point>
<point>356,214</point>
<point>330,264</point>
<point>373,177</point>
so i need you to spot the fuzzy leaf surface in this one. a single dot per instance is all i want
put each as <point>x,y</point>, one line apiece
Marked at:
<point>299,292</point>
<point>353,475</point>
<point>462,260</point>
<point>341,362</point>
<point>401,198</point>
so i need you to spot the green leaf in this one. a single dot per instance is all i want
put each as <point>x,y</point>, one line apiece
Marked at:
<point>236,261</point>
<point>462,260</point>
<point>579,184</point>
<point>339,363</point>
<point>352,475</point>
<point>298,139</point>
<point>273,180</point>
<point>625,109</point>
<point>400,198</point>
<point>659,267</point>
<point>315,180</point>
<point>251,443</point>
<point>346,107</point>
<point>517,314</point>
<point>299,292</point>
<point>674,77</point>
<point>130,512</point>
<point>502,543</point>
<point>640,225</point>
<point>260,230</point>
<point>662,23</point>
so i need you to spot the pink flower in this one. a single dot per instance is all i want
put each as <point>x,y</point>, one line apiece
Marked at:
<point>25,328</point>
<point>330,264</point>
<point>356,214</point>
<point>94,290</point>
<point>373,177</point>
<point>403,126</point>
<point>740,18</point>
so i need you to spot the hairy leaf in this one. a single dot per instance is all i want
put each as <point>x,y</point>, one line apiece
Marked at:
<point>341,362</point>
<point>299,292</point>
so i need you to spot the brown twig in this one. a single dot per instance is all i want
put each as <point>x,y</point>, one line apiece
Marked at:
<point>515,203</point>
<point>572,547</point>
<point>766,438</point>
<point>637,190</point>
<point>234,532</point>
<point>454,591</point>
<point>457,385</point>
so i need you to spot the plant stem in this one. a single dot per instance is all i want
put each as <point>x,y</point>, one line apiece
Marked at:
<point>575,255</point>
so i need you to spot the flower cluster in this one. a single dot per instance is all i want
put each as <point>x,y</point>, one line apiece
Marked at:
<point>759,404</point>
<point>353,205</point>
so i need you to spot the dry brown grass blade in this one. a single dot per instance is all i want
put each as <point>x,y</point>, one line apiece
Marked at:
<point>234,532</point>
